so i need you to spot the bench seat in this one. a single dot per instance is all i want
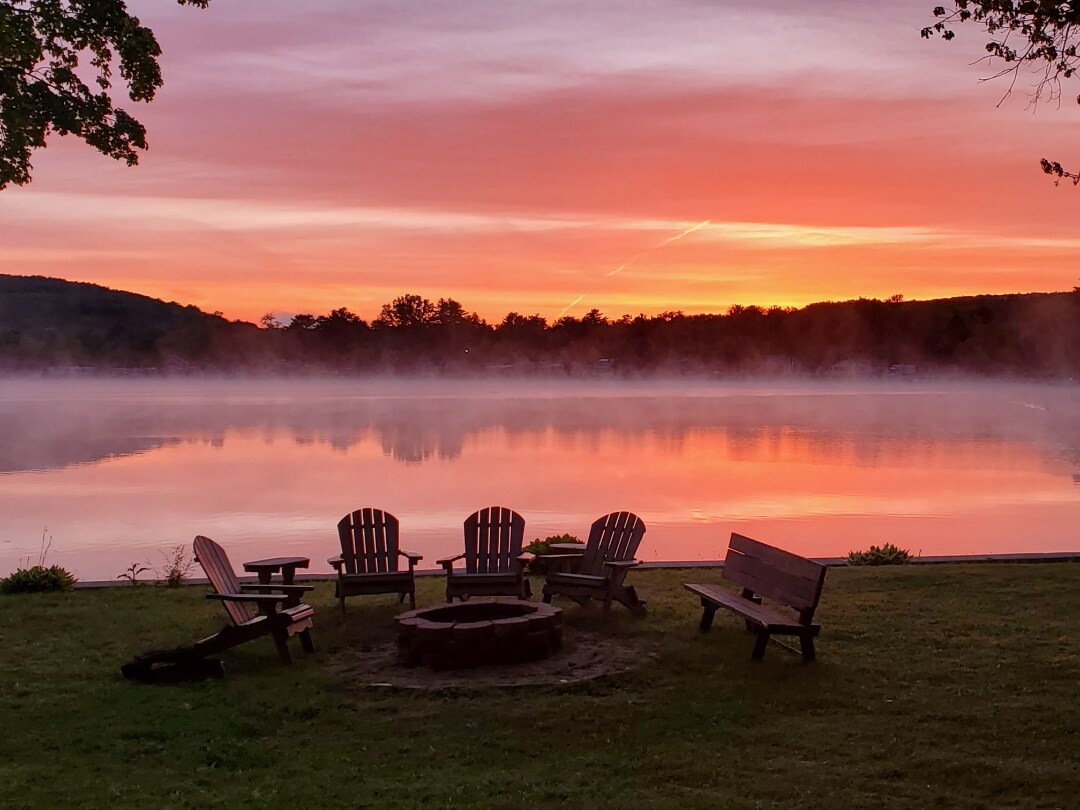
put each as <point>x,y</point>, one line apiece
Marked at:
<point>768,619</point>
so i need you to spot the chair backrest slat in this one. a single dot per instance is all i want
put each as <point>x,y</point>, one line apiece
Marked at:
<point>493,538</point>
<point>775,574</point>
<point>613,537</point>
<point>215,562</point>
<point>369,541</point>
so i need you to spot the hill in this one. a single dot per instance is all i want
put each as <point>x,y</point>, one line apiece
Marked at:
<point>45,323</point>
<point>49,321</point>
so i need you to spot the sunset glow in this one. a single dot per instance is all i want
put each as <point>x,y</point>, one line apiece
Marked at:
<point>552,158</point>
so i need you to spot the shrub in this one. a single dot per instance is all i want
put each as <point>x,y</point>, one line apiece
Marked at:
<point>37,579</point>
<point>887,554</point>
<point>541,547</point>
<point>177,567</point>
<point>131,573</point>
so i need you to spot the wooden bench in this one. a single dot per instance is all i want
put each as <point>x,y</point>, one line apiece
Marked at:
<point>777,575</point>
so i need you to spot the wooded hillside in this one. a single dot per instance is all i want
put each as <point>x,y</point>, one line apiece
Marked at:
<point>50,323</point>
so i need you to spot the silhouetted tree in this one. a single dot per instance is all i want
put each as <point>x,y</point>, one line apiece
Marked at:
<point>407,311</point>
<point>301,322</point>
<point>1042,34</point>
<point>43,79</point>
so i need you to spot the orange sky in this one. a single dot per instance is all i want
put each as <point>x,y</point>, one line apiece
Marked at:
<point>542,156</point>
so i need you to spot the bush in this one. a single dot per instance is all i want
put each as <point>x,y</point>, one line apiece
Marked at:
<point>38,579</point>
<point>887,554</point>
<point>177,567</point>
<point>541,547</point>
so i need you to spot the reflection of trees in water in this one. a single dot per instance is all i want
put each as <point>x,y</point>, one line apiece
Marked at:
<point>413,444</point>
<point>56,451</point>
<point>860,428</point>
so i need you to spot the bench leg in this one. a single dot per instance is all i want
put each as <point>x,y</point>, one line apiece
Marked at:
<point>808,648</point>
<point>707,614</point>
<point>760,645</point>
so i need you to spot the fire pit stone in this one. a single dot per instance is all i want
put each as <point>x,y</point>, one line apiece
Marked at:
<point>472,634</point>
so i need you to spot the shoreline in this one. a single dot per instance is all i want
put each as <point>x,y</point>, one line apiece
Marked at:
<point>831,562</point>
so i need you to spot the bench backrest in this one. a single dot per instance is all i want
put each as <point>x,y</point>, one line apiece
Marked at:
<point>779,575</point>
<point>493,540</point>
<point>369,541</point>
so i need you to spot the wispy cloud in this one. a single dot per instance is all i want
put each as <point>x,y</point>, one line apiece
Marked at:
<point>255,216</point>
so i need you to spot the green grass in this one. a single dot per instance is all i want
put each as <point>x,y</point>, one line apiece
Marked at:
<point>936,686</point>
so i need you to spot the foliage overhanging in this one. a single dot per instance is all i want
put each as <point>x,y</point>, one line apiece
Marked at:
<point>58,62</point>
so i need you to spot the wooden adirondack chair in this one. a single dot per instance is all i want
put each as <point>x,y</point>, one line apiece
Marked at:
<point>494,562</point>
<point>368,563</point>
<point>600,571</point>
<point>281,614</point>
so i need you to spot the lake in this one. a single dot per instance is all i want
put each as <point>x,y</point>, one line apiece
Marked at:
<point>121,471</point>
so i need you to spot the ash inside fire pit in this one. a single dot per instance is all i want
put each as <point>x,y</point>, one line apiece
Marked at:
<point>473,634</point>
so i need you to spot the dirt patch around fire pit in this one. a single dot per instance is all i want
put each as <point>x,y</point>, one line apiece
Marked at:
<point>584,655</point>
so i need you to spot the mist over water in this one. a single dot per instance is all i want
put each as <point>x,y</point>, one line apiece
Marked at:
<point>122,470</point>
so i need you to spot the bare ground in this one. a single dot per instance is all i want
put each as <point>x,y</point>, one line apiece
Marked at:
<point>584,655</point>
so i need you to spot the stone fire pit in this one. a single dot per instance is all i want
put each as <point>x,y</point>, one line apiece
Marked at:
<point>473,634</point>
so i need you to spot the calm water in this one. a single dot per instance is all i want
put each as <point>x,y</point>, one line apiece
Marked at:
<point>120,471</point>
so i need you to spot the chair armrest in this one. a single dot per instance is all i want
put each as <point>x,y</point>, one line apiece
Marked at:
<point>412,555</point>
<point>448,562</point>
<point>561,556</point>
<point>525,557</point>
<point>622,563</point>
<point>272,586</point>
<point>337,561</point>
<point>258,598</point>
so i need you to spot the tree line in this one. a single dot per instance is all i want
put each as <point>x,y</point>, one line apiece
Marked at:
<point>52,323</point>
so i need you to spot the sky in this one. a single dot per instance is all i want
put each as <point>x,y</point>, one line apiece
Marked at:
<point>550,157</point>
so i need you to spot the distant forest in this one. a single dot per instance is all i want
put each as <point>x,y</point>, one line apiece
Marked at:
<point>68,327</point>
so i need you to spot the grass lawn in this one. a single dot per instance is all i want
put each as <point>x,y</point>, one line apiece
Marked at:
<point>936,686</point>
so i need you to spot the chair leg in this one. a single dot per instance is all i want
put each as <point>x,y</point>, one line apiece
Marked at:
<point>759,646</point>
<point>607,609</point>
<point>281,641</point>
<point>628,596</point>
<point>808,653</point>
<point>412,600</point>
<point>306,642</point>
<point>342,600</point>
<point>547,598</point>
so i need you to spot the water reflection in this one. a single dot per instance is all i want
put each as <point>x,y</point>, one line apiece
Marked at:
<point>120,470</point>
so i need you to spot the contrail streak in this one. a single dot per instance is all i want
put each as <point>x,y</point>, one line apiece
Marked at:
<point>637,256</point>
<point>667,241</point>
<point>572,304</point>
<point>687,232</point>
